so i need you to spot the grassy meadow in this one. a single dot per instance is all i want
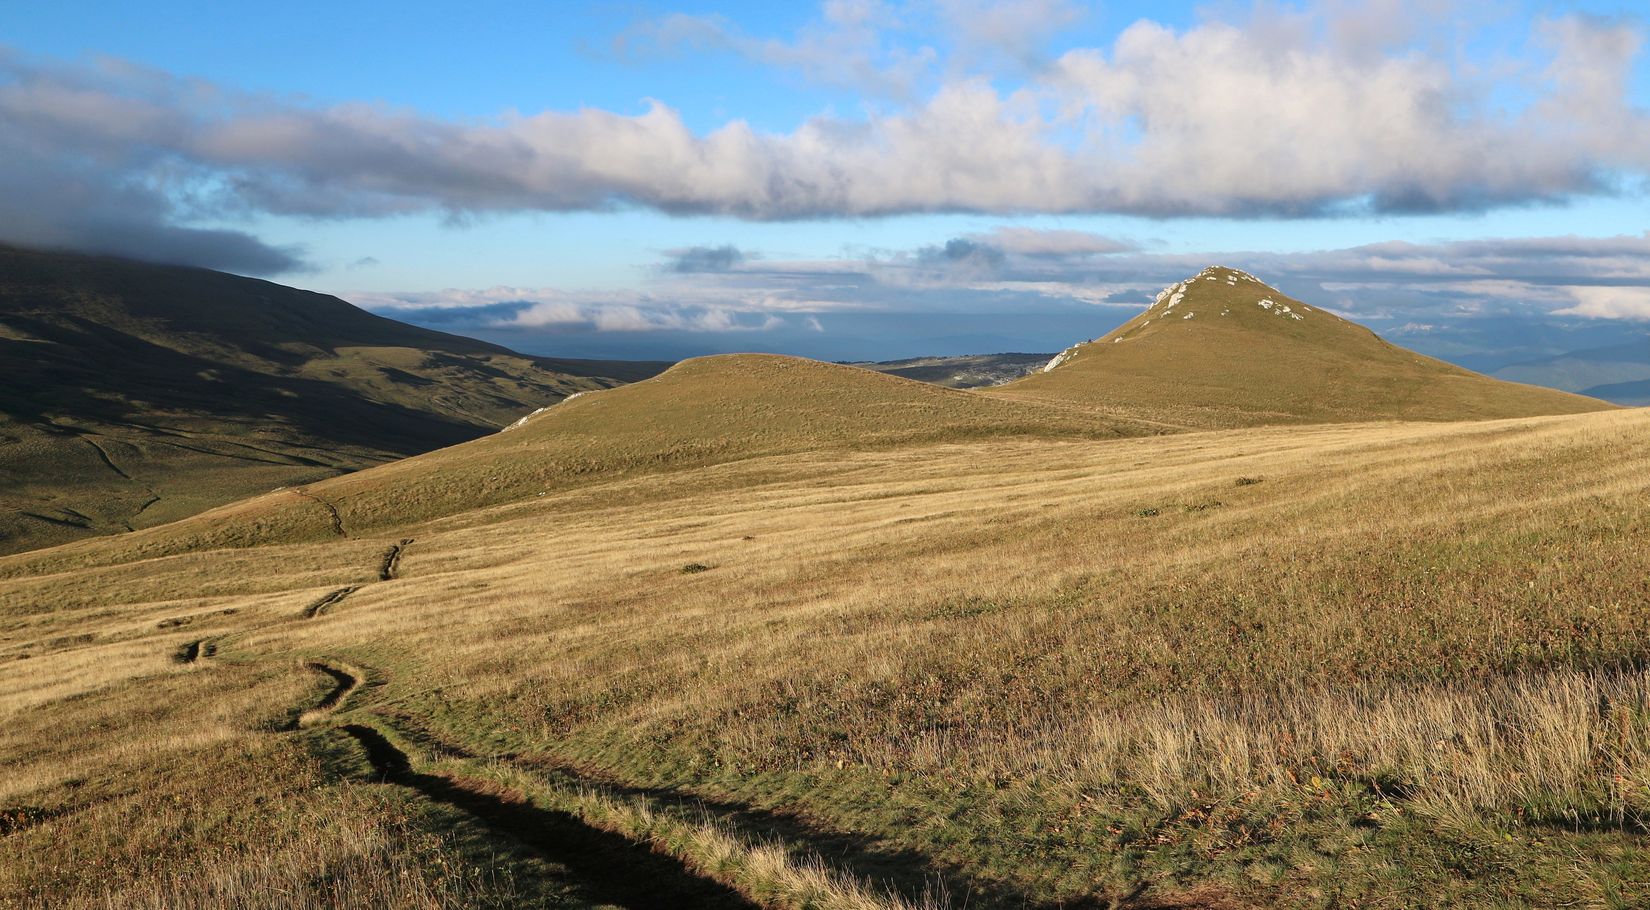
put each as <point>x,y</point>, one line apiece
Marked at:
<point>1375,665</point>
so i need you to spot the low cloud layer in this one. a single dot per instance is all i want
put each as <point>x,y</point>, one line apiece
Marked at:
<point>60,201</point>
<point>557,312</point>
<point>1339,110</point>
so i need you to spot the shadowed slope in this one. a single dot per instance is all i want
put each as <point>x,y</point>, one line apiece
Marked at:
<point>1222,349</point>
<point>137,394</point>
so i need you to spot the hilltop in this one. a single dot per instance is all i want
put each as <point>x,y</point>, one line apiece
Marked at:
<point>1224,349</point>
<point>137,394</point>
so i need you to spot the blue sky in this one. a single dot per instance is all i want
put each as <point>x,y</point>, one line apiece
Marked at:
<point>500,169</point>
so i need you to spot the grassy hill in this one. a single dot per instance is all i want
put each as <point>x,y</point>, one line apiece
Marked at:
<point>705,411</point>
<point>136,394</point>
<point>1222,349</point>
<point>1296,667</point>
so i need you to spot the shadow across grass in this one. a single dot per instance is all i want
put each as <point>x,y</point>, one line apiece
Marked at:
<point>614,869</point>
<point>910,874</point>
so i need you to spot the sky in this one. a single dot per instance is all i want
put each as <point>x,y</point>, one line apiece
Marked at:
<point>855,179</point>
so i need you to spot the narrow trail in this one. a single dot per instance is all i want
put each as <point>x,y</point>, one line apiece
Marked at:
<point>104,454</point>
<point>901,872</point>
<point>109,460</point>
<point>288,456</point>
<point>332,511</point>
<point>610,867</point>
<point>387,570</point>
<point>197,650</point>
<point>169,436</point>
<point>613,868</point>
<point>392,560</point>
<point>345,681</point>
<point>330,600</point>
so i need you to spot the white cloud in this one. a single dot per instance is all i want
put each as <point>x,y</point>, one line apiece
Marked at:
<point>652,317</point>
<point>1609,303</point>
<point>1230,118</point>
<point>552,314</point>
<point>1342,107</point>
<point>679,305</point>
<point>1230,124</point>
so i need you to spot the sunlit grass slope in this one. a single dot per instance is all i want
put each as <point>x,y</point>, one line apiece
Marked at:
<point>136,394</point>
<point>1223,349</point>
<point>1393,665</point>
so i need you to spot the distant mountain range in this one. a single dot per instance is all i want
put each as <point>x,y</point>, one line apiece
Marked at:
<point>967,371</point>
<point>135,394</point>
<point>1618,373</point>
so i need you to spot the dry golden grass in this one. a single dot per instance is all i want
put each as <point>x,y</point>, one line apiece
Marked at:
<point>1382,665</point>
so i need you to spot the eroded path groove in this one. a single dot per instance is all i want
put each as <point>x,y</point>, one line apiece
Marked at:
<point>332,510</point>
<point>344,682</point>
<point>332,599</point>
<point>392,560</point>
<point>196,650</point>
<point>610,867</point>
<point>613,868</point>
<point>103,454</point>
